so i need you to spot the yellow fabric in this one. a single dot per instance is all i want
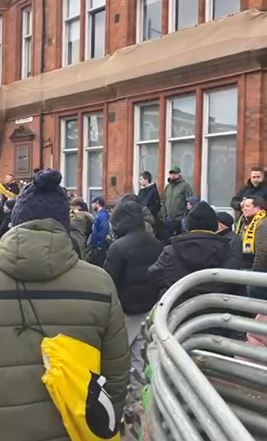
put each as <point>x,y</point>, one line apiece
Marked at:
<point>249,238</point>
<point>70,365</point>
<point>7,193</point>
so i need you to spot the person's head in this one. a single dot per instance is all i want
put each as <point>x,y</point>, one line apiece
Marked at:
<point>191,202</point>
<point>145,179</point>
<point>9,178</point>
<point>43,198</point>
<point>175,173</point>
<point>225,221</point>
<point>36,171</point>
<point>252,206</point>
<point>98,204</point>
<point>202,218</point>
<point>256,176</point>
<point>78,204</point>
<point>126,217</point>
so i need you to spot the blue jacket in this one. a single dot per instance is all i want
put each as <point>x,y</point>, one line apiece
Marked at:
<point>100,229</point>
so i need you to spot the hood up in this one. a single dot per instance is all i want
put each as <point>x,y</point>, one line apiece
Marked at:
<point>199,251</point>
<point>37,251</point>
<point>126,217</point>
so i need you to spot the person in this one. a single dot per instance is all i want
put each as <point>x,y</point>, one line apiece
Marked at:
<point>81,222</point>
<point>6,218</point>
<point>252,227</point>
<point>100,230</point>
<point>256,186</point>
<point>191,202</point>
<point>148,217</point>
<point>175,196</point>
<point>199,248</point>
<point>148,194</point>
<point>225,228</point>
<point>46,291</point>
<point>8,190</point>
<point>127,262</point>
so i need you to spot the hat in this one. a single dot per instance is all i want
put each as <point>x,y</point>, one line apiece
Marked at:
<point>100,201</point>
<point>225,218</point>
<point>175,169</point>
<point>43,198</point>
<point>193,200</point>
<point>202,217</point>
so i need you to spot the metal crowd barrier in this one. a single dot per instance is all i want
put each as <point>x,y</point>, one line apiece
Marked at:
<point>206,383</point>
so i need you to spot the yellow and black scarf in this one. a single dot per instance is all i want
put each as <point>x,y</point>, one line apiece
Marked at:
<point>249,237</point>
<point>7,193</point>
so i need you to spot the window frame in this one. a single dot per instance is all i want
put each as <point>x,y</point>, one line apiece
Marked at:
<point>64,152</point>
<point>140,21</point>
<point>169,138</point>
<point>209,14</point>
<point>173,15</point>
<point>138,143</point>
<point>206,136</point>
<point>86,153</point>
<point>90,13</point>
<point>67,21</point>
<point>26,39</point>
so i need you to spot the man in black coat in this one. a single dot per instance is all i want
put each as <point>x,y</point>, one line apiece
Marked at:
<point>127,262</point>
<point>256,187</point>
<point>225,229</point>
<point>149,195</point>
<point>200,248</point>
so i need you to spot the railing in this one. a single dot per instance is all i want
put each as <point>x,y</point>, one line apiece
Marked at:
<point>207,386</point>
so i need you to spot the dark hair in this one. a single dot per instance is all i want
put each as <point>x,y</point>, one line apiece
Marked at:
<point>257,168</point>
<point>258,202</point>
<point>147,175</point>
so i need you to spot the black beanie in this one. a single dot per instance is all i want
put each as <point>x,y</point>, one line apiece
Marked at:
<point>225,218</point>
<point>43,198</point>
<point>202,217</point>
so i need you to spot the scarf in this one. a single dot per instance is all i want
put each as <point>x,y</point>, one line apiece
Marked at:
<point>7,193</point>
<point>249,238</point>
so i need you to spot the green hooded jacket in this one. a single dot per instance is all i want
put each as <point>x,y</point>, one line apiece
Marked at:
<point>44,287</point>
<point>175,196</point>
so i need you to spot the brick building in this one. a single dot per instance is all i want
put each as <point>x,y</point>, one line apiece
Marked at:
<point>105,89</point>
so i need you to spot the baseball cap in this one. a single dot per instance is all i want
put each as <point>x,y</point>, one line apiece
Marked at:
<point>175,169</point>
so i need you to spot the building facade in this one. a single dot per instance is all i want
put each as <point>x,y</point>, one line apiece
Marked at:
<point>104,90</point>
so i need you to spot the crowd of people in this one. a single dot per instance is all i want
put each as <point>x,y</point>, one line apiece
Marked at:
<point>95,275</point>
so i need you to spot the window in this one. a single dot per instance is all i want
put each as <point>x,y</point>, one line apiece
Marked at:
<point>218,8</point>
<point>147,140</point>
<point>22,161</point>
<point>149,19</point>
<point>94,156</point>
<point>96,28</point>
<point>181,135</point>
<point>69,149</point>
<point>183,14</point>
<point>71,37</point>
<point>1,47</point>
<point>219,146</point>
<point>26,67</point>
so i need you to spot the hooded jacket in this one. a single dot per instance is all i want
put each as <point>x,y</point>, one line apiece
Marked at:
<point>249,190</point>
<point>130,256</point>
<point>188,253</point>
<point>149,197</point>
<point>175,196</point>
<point>44,288</point>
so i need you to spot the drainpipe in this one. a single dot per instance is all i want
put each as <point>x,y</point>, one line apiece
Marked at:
<point>42,68</point>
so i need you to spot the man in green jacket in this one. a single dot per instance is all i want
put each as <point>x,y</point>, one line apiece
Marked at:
<point>46,290</point>
<point>175,196</point>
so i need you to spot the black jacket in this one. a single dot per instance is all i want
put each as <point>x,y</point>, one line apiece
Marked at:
<point>236,248</point>
<point>249,191</point>
<point>130,256</point>
<point>149,197</point>
<point>188,253</point>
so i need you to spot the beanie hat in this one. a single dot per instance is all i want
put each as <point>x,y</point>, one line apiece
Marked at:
<point>193,200</point>
<point>202,217</point>
<point>225,218</point>
<point>43,198</point>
